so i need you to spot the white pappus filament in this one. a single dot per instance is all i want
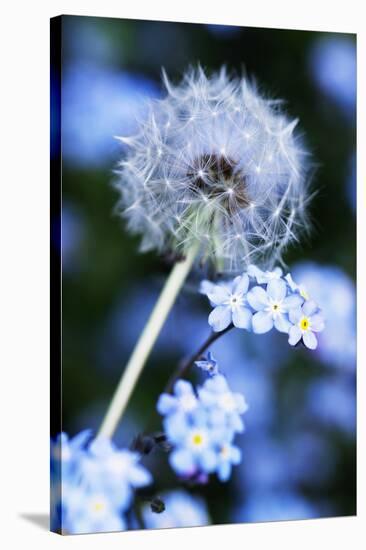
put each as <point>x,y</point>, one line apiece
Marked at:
<point>215,162</point>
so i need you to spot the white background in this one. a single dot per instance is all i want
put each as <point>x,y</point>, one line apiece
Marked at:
<point>24,271</point>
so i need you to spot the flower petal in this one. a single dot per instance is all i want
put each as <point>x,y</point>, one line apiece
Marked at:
<point>256,273</point>
<point>224,471</point>
<point>101,446</point>
<point>217,384</point>
<point>206,287</point>
<point>291,283</point>
<point>208,460</point>
<point>80,439</point>
<point>262,322</point>
<point>317,322</point>
<point>241,284</point>
<point>295,315</point>
<point>276,289</point>
<point>166,404</point>
<point>235,455</point>
<point>139,476</point>
<point>182,387</point>
<point>241,404</point>
<point>220,318</point>
<point>237,423</point>
<point>182,461</point>
<point>257,298</point>
<point>218,294</point>
<point>207,398</point>
<point>310,307</point>
<point>242,318</point>
<point>292,301</point>
<point>294,335</point>
<point>282,324</point>
<point>175,427</point>
<point>310,340</point>
<point>263,276</point>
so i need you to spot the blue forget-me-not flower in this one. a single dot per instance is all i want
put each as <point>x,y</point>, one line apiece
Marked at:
<point>65,452</point>
<point>301,289</point>
<point>230,305</point>
<point>116,472</point>
<point>263,277</point>
<point>306,321</point>
<point>225,406</point>
<point>97,483</point>
<point>209,365</point>
<point>184,400</point>
<point>272,306</point>
<point>89,511</point>
<point>265,300</point>
<point>202,436</point>
<point>331,287</point>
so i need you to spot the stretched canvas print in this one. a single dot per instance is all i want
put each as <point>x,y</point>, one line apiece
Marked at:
<point>203,274</point>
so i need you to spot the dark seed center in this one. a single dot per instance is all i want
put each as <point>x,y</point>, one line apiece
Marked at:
<point>214,175</point>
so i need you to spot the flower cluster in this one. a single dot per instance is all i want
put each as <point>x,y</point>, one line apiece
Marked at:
<point>92,483</point>
<point>216,163</point>
<point>201,426</point>
<point>262,300</point>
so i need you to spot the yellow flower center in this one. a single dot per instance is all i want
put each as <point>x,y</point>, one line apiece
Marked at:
<point>304,323</point>
<point>98,506</point>
<point>197,439</point>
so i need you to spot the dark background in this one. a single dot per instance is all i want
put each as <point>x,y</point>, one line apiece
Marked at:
<point>299,446</point>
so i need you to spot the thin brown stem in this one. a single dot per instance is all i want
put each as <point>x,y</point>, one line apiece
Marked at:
<point>182,369</point>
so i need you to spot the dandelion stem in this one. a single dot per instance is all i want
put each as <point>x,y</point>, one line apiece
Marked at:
<point>183,368</point>
<point>145,343</point>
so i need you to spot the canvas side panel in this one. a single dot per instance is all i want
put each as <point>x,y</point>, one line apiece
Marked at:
<point>55,267</point>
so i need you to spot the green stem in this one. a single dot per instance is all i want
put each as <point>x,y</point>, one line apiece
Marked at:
<point>145,343</point>
<point>181,371</point>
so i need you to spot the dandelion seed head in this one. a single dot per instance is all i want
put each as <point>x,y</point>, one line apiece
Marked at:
<point>213,160</point>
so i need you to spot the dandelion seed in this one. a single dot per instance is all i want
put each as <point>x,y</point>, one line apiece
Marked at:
<point>213,187</point>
